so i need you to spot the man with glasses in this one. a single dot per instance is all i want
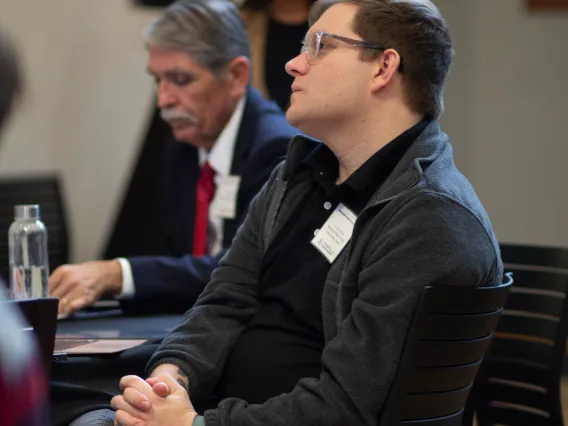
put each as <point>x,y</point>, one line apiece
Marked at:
<point>305,319</point>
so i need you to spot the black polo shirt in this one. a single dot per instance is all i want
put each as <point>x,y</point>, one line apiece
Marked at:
<point>283,343</point>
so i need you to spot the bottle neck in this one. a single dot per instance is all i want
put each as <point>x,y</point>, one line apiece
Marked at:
<point>27,219</point>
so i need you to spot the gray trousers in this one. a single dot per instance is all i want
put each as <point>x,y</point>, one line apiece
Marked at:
<point>103,417</point>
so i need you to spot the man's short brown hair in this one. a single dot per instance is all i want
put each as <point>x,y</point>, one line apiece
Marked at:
<point>418,32</point>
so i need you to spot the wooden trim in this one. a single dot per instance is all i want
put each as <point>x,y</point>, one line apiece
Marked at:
<point>547,4</point>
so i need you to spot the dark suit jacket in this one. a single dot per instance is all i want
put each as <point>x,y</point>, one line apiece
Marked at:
<point>173,282</point>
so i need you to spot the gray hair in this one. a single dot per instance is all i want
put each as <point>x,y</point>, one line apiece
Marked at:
<point>211,31</point>
<point>10,77</point>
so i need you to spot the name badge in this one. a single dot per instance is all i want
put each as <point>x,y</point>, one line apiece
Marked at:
<point>224,204</point>
<point>335,233</point>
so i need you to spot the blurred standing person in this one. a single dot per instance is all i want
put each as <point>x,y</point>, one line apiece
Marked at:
<point>23,396</point>
<point>276,29</point>
<point>10,77</point>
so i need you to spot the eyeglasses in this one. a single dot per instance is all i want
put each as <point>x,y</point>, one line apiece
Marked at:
<point>312,45</point>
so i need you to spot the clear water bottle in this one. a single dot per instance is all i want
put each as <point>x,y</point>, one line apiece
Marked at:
<point>29,266</point>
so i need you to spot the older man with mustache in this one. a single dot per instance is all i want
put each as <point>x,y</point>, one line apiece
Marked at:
<point>230,139</point>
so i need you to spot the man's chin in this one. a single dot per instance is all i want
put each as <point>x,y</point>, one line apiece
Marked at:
<point>183,133</point>
<point>292,115</point>
<point>183,136</point>
<point>192,138</point>
<point>295,117</point>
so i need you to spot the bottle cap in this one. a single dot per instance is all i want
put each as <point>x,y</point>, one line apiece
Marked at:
<point>27,211</point>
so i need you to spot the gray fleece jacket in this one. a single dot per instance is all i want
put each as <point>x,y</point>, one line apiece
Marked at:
<point>424,226</point>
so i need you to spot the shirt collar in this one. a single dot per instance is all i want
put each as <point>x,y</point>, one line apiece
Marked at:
<point>220,157</point>
<point>380,165</point>
<point>325,164</point>
<point>362,184</point>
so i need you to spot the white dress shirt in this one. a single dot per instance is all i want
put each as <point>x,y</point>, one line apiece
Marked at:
<point>220,159</point>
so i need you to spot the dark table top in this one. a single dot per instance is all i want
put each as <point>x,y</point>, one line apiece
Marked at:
<point>115,324</point>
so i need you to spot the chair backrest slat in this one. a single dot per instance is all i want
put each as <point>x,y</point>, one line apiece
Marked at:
<point>449,335</point>
<point>449,420</point>
<point>463,300</point>
<point>431,405</point>
<point>427,379</point>
<point>516,370</point>
<point>466,326</point>
<point>450,353</point>
<point>553,281</point>
<point>538,302</point>
<point>519,381</point>
<point>504,414</point>
<point>521,394</point>
<point>518,347</point>
<point>521,323</point>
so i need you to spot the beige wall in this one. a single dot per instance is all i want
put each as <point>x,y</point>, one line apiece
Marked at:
<point>507,103</point>
<point>88,97</point>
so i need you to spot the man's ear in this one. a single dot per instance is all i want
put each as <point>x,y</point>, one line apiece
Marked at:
<point>238,75</point>
<point>385,69</point>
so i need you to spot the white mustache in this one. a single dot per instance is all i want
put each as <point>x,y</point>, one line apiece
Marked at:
<point>173,114</point>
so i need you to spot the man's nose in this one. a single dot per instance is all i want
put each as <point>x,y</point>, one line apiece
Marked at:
<point>165,97</point>
<point>297,65</point>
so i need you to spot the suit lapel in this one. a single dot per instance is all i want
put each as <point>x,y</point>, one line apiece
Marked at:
<point>243,146</point>
<point>246,135</point>
<point>182,183</point>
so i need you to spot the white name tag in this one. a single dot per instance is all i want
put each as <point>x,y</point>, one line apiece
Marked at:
<point>335,233</point>
<point>224,204</point>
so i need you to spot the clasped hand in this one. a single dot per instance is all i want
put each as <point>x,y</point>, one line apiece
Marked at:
<point>155,401</point>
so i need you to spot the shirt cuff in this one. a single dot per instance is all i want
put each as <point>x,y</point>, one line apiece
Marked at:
<point>128,289</point>
<point>198,421</point>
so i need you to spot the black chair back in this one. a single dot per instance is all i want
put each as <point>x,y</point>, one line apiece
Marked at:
<point>42,190</point>
<point>520,379</point>
<point>450,332</point>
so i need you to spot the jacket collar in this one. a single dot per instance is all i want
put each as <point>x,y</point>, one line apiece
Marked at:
<point>255,106</point>
<point>431,143</point>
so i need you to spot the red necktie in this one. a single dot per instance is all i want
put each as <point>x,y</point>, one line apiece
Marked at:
<point>205,193</point>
